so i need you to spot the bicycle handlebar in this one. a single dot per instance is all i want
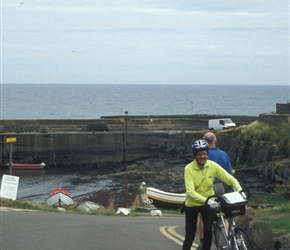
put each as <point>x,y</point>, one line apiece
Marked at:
<point>208,198</point>
<point>247,193</point>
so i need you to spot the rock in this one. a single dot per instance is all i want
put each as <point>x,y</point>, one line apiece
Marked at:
<point>267,206</point>
<point>245,219</point>
<point>261,234</point>
<point>282,242</point>
<point>260,231</point>
<point>61,209</point>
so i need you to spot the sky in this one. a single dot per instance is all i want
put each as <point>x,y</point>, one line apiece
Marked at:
<point>145,41</point>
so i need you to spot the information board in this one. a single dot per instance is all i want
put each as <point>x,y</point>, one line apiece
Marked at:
<point>9,187</point>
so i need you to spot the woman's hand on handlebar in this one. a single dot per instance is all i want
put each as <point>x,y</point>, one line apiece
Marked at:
<point>212,204</point>
<point>245,193</point>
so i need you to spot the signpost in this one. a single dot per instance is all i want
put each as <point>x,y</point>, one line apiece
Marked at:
<point>126,155</point>
<point>9,185</point>
<point>10,140</point>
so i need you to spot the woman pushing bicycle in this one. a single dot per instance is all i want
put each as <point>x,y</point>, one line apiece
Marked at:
<point>199,176</point>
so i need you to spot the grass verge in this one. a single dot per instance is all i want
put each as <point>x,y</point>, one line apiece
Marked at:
<point>275,210</point>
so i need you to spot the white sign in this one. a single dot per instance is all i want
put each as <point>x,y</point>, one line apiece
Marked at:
<point>9,187</point>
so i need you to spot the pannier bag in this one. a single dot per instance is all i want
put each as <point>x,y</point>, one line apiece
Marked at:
<point>233,204</point>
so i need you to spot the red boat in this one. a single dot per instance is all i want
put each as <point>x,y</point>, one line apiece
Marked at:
<point>25,166</point>
<point>58,198</point>
<point>60,190</point>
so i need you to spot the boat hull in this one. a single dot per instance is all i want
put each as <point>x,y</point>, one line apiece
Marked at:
<point>88,206</point>
<point>58,199</point>
<point>165,200</point>
<point>26,166</point>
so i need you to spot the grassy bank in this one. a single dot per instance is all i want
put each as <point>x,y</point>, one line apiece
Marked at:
<point>275,207</point>
<point>275,210</point>
<point>277,134</point>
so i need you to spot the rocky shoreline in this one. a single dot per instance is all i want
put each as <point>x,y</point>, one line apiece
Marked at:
<point>166,175</point>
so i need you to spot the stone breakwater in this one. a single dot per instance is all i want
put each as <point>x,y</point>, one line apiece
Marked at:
<point>96,142</point>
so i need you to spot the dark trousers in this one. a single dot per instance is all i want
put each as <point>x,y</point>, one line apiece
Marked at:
<point>191,215</point>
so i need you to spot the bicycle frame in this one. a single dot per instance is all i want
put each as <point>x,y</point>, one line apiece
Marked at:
<point>230,236</point>
<point>220,224</point>
<point>228,231</point>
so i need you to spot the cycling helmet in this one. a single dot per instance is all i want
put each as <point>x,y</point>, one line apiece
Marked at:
<point>199,145</point>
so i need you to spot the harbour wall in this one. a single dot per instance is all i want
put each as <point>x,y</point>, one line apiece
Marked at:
<point>81,149</point>
<point>99,142</point>
<point>117,123</point>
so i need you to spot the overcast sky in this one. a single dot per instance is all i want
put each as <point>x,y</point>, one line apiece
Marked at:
<point>145,41</point>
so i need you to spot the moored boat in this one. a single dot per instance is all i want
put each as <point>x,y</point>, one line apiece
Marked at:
<point>27,172</point>
<point>58,198</point>
<point>166,200</point>
<point>26,166</point>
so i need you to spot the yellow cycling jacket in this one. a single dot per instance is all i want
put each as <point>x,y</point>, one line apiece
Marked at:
<point>199,183</point>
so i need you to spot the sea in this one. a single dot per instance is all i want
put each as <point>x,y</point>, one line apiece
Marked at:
<point>89,101</point>
<point>92,101</point>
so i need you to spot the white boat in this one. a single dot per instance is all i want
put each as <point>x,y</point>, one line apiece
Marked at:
<point>59,198</point>
<point>88,206</point>
<point>163,199</point>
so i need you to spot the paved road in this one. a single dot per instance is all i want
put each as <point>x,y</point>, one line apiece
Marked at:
<point>29,230</point>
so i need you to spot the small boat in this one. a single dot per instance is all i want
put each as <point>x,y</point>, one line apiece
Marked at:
<point>88,206</point>
<point>25,166</point>
<point>166,200</point>
<point>27,172</point>
<point>58,198</point>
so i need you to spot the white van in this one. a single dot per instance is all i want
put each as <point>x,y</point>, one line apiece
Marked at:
<point>219,124</point>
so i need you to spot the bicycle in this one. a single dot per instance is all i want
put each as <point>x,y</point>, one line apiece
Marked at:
<point>231,236</point>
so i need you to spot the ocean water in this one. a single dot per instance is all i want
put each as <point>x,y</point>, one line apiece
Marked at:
<point>89,101</point>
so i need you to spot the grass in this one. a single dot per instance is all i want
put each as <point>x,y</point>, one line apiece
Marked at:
<point>280,226</point>
<point>278,134</point>
<point>23,204</point>
<point>278,213</point>
<point>275,210</point>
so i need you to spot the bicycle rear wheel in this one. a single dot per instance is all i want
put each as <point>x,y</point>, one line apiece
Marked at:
<point>219,237</point>
<point>243,239</point>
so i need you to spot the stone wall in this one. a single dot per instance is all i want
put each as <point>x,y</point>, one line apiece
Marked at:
<point>274,119</point>
<point>170,122</point>
<point>116,123</point>
<point>102,141</point>
<point>81,149</point>
<point>282,108</point>
<point>95,142</point>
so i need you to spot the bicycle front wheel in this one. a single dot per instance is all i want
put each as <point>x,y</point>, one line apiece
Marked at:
<point>219,237</point>
<point>243,240</point>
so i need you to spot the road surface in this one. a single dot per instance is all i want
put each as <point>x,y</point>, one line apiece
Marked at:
<point>29,230</point>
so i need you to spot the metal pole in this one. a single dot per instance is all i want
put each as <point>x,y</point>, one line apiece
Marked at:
<point>126,155</point>
<point>10,160</point>
<point>2,150</point>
